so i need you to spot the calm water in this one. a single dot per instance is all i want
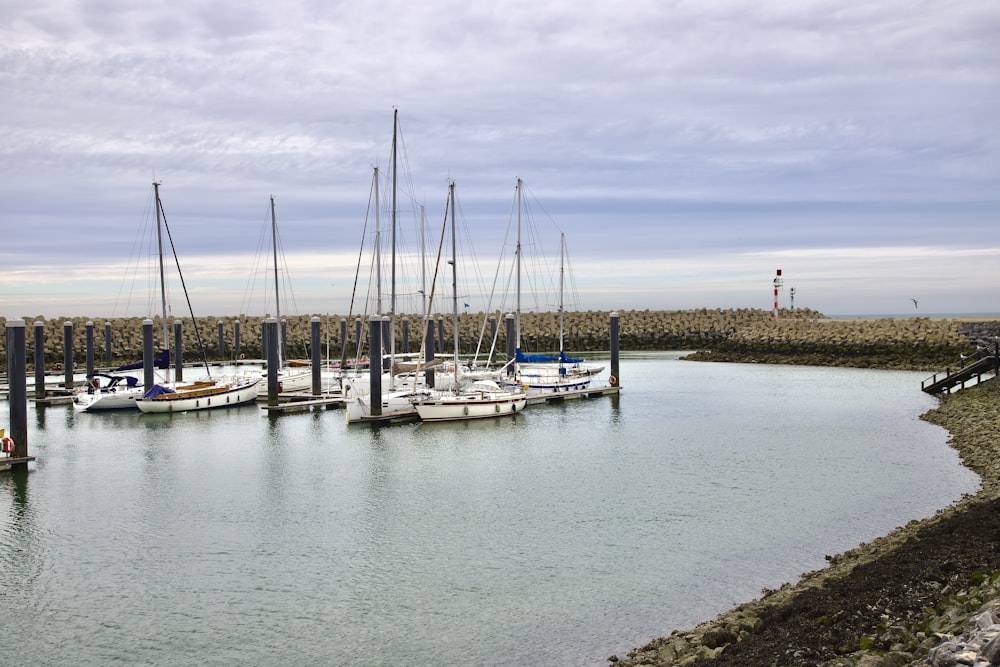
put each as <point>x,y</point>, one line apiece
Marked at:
<point>557,537</point>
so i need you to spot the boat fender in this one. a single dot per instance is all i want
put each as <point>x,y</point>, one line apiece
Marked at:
<point>7,445</point>
<point>613,381</point>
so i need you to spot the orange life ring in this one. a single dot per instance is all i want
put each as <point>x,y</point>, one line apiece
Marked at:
<point>613,381</point>
<point>243,356</point>
<point>7,445</point>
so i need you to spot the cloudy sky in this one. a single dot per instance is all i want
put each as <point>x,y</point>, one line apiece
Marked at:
<point>686,149</point>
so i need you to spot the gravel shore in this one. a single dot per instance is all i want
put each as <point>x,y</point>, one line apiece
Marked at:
<point>926,594</point>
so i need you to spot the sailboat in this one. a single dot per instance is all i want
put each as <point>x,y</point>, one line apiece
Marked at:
<point>290,378</point>
<point>116,390</point>
<point>203,394</point>
<point>481,398</point>
<point>397,401</point>
<point>548,374</point>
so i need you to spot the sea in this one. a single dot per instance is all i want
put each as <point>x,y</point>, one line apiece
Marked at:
<point>558,536</point>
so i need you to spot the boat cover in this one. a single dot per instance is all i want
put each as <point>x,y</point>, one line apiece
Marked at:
<point>162,361</point>
<point>523,358</point>
<point>157,390</point>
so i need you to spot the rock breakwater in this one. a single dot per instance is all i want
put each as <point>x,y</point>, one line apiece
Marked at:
<point>802,336</point>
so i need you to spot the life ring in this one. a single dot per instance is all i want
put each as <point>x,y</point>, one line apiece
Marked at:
<point>613,381</point>
<point>242,357</point>
<point>7,445</point>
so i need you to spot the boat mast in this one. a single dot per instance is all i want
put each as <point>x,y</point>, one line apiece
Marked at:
<point>163,285</point>
<point>378,249</point>
<point>562,273</point>
<point>454,279</point>
<point>277,303</point>
<point>392,304</point>
<point>517,317</point>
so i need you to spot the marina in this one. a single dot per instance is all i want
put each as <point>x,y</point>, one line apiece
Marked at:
<point>561,535</point>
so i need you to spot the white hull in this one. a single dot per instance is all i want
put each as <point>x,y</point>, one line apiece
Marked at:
<point>220,395</point>
<point>398,404</point>
<point>117,399</point>
<point>485,399</point>
<point>291,379</point>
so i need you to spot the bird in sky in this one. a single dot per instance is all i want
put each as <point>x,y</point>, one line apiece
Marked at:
<point>914,302</point>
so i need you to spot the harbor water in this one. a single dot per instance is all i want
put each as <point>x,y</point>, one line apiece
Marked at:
<point>559,536</point>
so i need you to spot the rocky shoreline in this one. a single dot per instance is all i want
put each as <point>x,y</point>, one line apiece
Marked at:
<point>926,594</point>
<point>797,337</point>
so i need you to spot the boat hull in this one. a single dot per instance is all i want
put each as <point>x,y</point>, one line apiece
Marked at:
<point>454,408</point>
<point>218,396</point>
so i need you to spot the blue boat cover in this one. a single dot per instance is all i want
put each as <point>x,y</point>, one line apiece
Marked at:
<point>162,361</point>
<point>157,390</point>
<point>523,358</point>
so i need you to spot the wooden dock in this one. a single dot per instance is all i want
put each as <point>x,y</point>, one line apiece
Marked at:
<point>302,402</point>
<point>8,462</point>
<point>574,394</point>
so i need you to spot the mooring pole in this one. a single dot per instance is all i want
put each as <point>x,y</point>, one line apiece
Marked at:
<point>429,356</point>
<point>616,377</point>
<point>17,378</point>
<point>270,334</point>
<point>375,366</point>
<point>236,339</point>
<point>357,336</point>
<point>406,335</point>
<point>90,347</point>
<point>222,339</point>
<point>440,340</point>
<point>147,355</point>
<point>317,377</point>
<point>178,351</point>
<point>68,354</point>
<point>343,340</point>
<point>511,339</point>
<point>107,343</point>
<point>39,360</point>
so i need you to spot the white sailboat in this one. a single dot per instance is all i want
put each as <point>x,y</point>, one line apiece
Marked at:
<point>547,374</point>
<point>398,397</point>
<point>115,390</point>
<point>203,394</point>
<point>480,399</point>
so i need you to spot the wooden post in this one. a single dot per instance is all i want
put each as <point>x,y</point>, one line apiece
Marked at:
<point>270,334</point>
<point>17,378</point>
<point>39,360</point>
<point>440,335</point>
<point>68,354</point>
<point>222,340</point>
<point>406,335</point>
<point>236,339</point>
<point>317,377</point>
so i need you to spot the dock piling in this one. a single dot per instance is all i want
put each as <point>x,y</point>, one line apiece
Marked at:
<point>317,379</point>
<point>39,360</point>
<point>68,354</point>
<point>270,334</point>
<point>17,377</point>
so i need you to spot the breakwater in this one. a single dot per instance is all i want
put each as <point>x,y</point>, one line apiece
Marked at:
<point>802,336</point>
